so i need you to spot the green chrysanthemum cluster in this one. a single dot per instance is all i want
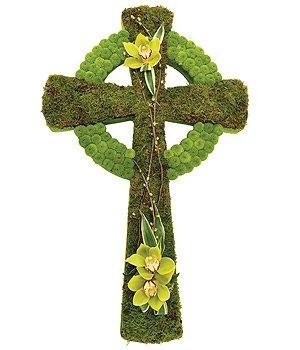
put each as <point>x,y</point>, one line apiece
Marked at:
<point>191,61</point>
<point>106,151</point>
<point>193,149</point>
<point>103,59</point>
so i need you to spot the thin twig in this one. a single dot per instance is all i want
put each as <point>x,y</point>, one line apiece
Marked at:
<point>156,141</point>
<point>147,188</point>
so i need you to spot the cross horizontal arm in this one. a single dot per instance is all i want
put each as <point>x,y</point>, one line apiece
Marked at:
<point>69,102</point>
<point>224,103</point>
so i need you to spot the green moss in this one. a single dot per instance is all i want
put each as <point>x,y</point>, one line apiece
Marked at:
<point>70,102</point>
<point>224,103</point>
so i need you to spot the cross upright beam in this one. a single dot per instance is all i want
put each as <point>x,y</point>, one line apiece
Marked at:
<point>135,325</point>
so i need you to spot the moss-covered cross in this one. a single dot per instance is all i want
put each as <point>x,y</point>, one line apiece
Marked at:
<point>87,104</point>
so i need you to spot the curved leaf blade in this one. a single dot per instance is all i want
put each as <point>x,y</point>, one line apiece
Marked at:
<point>147,232</point>
<point>150,80</point>
<point>160,33</point>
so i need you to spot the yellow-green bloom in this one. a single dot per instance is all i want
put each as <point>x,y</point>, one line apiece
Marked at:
<point>143,52</point>
<point>155,272</point>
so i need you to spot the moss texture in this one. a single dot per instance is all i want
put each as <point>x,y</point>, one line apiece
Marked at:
<point>209,103</point>
<point>224,103</point>
<point>69,102</point>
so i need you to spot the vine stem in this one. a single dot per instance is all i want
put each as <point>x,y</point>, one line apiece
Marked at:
<point>147,188</point>
<point>155,138</point>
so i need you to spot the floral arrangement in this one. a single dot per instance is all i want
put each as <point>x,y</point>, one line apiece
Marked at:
<point>154,270</point>
<point>86,104</point>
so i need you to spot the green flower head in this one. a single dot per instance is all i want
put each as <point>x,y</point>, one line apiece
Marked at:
<point>143,52</point>
<point>155,272</point>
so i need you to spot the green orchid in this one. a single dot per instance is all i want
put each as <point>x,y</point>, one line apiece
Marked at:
<point>155,272</point>
<point>144,52</point>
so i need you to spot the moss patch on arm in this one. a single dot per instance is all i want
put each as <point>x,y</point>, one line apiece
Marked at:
<point>69,102</point>
<point>223,103</point>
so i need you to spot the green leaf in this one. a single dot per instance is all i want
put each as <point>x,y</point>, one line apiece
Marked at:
<point>160,33</point>
<point>145,307</point>
<point>160,230</point>
<point>167,265</point>
<point>136,260</point>
<point>162,311</point>
<point>136,283</point>
<point>140,298</point>
<point>163,292</point>
<point>150,80</point>
<point>145,67</point>
<point>147,233</point>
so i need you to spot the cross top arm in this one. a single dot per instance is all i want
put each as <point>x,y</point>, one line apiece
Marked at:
<point>69,102</point>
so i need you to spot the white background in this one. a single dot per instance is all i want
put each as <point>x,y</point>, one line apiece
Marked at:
<point>63,219</point>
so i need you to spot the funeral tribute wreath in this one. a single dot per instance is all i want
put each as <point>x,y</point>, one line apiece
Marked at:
<point>86,104</point>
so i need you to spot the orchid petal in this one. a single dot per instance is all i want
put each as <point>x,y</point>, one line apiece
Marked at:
<point>141,40</point>
<point>155,45</point>
<point>140,298</point>
<point>155,303</point>
<point>154,59</point>
<point>131,49</point>
<point>136,260</point>
<point>133,63</point>
<point>136,283</point>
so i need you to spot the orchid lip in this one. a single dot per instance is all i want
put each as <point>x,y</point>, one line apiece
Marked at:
<point>151,264</point>
<point>150,288</point>
<point>144,51</point>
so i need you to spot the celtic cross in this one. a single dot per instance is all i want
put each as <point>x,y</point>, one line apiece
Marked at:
<point>87,104</point>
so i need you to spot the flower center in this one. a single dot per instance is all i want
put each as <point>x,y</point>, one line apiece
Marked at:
<point>144,51</point>
<point>150,289</point>
<point>151,263</point>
